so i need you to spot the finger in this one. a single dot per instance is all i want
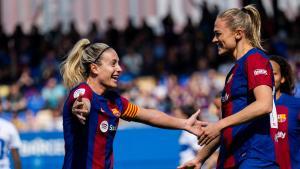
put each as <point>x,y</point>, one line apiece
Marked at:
<point>81,117</point>
<point>204,141</point>
<point>79,111</point>
<point>82,122</point>
<point>197,166</point>
<point>208,141</point>
<point>196,115</point>
<point>79,98</point>
<point>184,166</point>
<point>78,104</point>
<point>201,138</point>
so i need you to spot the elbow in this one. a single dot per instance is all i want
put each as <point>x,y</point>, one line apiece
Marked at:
<point>267,108</point>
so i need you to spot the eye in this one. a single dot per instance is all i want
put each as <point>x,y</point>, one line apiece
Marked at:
<point>114,63</point>
<point>217,34</point>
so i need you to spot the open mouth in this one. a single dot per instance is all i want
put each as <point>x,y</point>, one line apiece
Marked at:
<point>115,77</point>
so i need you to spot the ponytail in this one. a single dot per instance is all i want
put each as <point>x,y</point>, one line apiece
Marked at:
<point>254,32</point>
<point>72,69</point>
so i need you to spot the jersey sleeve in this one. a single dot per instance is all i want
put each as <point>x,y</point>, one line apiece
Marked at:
<point>259,71</point>
<point>15,141</point>
<point>82,89</point>
<point>129,110</point>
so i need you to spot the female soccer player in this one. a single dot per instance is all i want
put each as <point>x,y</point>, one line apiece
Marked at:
<point>243,133</point>
<point>91,71</point>
<point>287,137</point>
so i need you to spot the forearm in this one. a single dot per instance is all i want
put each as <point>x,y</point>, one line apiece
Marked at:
<point>16,158</point>
<point>252,111</point>
<point>208,150</point>
<point>159,119</point>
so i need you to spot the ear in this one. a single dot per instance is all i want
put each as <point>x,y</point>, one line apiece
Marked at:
<point>94,68</point>
<point>282,80</point>
<point>238,34</point>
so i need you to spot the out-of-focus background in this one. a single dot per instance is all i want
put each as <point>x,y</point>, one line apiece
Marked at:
<point>168,62</point>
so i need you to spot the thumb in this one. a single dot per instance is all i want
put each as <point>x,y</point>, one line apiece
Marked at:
<point>197,166</point>
<point>79,98</point>
<point>196,115</point>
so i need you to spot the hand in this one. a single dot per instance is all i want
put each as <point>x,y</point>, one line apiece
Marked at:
<point>192,164</point>
<point>194,126</point>
<point>80,110</point>
<point>210,132</point>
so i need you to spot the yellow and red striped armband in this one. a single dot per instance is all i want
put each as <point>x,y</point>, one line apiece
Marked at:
<point>130,112</point>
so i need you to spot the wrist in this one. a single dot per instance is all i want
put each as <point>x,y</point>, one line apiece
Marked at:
<point>185,125</point>
<point>221,124</point>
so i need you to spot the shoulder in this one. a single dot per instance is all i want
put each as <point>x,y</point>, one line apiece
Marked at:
<point>7,124</point>
<point>81,89</point>
<point>257,56</point>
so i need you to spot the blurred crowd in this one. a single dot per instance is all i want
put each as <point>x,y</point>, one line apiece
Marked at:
<point>171,70</point>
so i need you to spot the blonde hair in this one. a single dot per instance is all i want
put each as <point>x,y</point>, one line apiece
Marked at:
<point>247,18</point>
<point>76,67</point>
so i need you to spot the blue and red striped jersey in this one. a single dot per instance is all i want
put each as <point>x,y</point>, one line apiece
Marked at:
<point>287,138</point>
<point>90,146</point>
<point>251,139</point>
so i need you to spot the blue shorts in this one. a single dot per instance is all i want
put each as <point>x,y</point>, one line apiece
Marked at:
<point>252,163</point>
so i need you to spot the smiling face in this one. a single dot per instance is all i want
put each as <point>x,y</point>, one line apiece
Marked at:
<point>224,37</point>
<point>107,69</point>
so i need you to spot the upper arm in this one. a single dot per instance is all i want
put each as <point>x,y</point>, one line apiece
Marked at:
<point>16,158</point>
<point>259,71</point>
<point>130,110</point>
<point>15,141</point>
<point>263,93</point>
<point>81,93</point>
<point>144,115</point>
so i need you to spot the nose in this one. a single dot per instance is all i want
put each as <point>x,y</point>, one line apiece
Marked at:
<point>119,68</point>
<point>214,40</point>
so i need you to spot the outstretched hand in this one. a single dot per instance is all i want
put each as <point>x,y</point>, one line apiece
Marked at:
<point>192,164</point>
<point>210,132</point>
<point>80,109</point>
<point>194,126</point>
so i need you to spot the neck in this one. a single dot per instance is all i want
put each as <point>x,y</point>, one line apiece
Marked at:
<point>278,94</point>
<point>241,49</point>
<point>95,86</point>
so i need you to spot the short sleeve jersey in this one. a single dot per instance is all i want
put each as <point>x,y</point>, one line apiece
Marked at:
<point>251,139</point>
<point>90,146</point>
<point>9,139</point>
<point>287,138</point>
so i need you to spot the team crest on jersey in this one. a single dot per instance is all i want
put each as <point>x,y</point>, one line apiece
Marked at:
<point>78,92</point>
<point>116,112</point>
<point>260,72</point>
<point>281,118</point>
<point>103,126</point>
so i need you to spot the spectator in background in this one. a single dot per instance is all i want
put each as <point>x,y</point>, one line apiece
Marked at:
<point>53,93</point>
<point>287,138</point>
<point>10,142</point>
<point>187,141</point>
<point>133,62</point>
